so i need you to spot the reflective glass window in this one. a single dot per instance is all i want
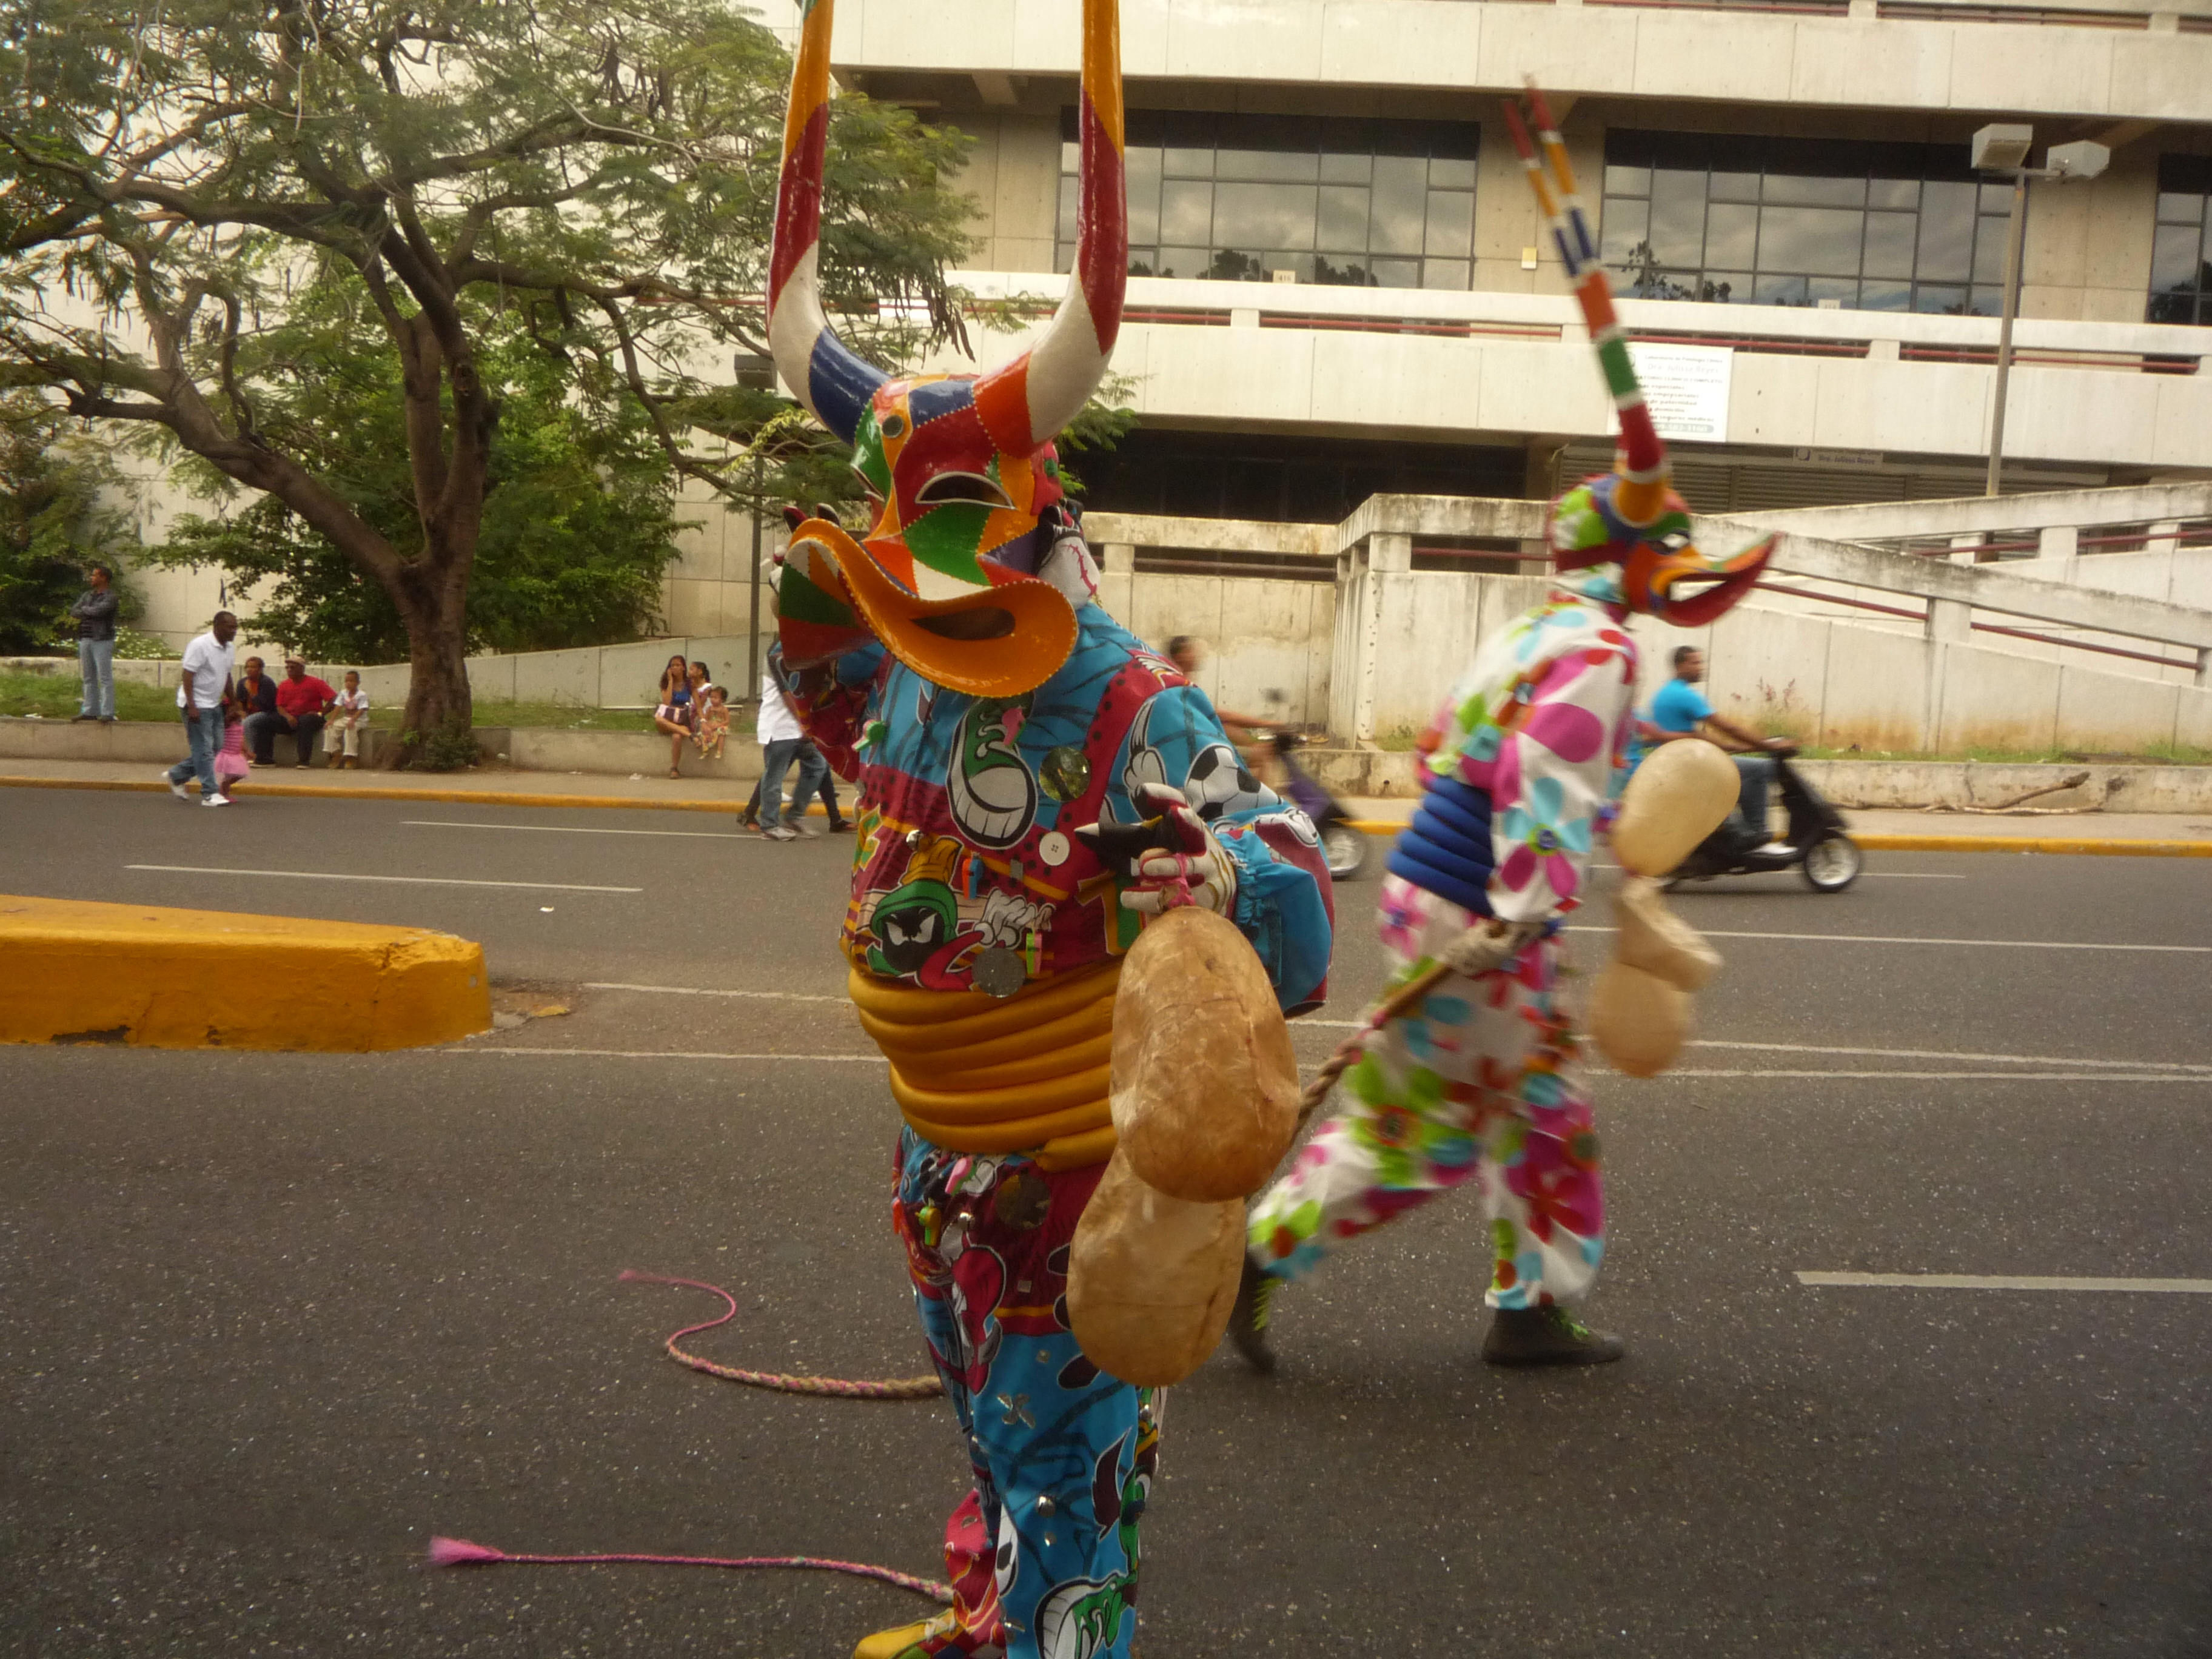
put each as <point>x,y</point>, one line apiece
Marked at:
<point>2181,249</point>
<point>1773,221</point>
<point>1240,198</point>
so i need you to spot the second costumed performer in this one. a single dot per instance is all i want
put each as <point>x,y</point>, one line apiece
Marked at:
<point>1479,1081</point>
<point>1036,786</point>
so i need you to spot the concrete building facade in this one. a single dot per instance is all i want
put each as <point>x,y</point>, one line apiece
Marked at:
<point>1340,288</point>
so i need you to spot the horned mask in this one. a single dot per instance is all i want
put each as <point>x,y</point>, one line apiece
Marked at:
<point>960,471</point>
<point>1630,516</point>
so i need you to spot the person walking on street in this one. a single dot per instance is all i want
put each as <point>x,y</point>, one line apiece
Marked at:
<point>206,678</point>
<point>94,611</point>
<point>257,696</point>
<point>840,823</point>
<point>782,741</point>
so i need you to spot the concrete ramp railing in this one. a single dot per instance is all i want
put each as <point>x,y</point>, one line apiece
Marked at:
<point>1403,632</point>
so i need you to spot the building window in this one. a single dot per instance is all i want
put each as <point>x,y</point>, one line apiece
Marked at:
<point>2181,255</point>
<point>1792,222</point>
<point>1239,197</point>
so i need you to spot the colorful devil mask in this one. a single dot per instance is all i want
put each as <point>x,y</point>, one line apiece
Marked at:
<point>1630,516</point>
<point>960,471</point>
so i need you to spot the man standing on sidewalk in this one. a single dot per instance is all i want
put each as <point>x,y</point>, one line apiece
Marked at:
<point>782,741</point>
<point>206,676</point>
<point>94,611</point>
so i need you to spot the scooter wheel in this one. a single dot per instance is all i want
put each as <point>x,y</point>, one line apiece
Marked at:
<point>1345,850</point>
<point>1832,863</point>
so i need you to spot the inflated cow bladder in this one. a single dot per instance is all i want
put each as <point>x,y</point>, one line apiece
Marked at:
<point>1205,1097</point>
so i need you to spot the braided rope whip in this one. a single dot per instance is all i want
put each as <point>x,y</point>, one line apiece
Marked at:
<point>891,1387</point>
<point>1398,1002</point>
<point>461,1553</point>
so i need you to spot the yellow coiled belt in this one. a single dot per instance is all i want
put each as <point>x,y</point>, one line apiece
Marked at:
<point>981,1073</point>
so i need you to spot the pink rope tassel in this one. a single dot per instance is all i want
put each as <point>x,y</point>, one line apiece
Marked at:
<point>460,1553</point>
<point>894,1387</point>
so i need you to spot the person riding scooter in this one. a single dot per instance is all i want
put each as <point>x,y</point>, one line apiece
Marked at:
<point>1681,710</point>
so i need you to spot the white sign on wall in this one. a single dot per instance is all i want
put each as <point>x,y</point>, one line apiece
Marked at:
<point>1686,389</point>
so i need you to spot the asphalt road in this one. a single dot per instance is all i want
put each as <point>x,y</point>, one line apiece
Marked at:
<point>267,1322</point>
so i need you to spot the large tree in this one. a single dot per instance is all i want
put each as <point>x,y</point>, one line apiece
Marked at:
<point>601,172</point>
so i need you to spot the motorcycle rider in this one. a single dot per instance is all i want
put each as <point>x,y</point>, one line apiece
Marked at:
<point>1681,710</point>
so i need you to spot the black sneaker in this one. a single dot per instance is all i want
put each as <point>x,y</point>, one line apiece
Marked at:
<point>1547,1336</point>
<point>842,827</point>
<point>1248,1317</point>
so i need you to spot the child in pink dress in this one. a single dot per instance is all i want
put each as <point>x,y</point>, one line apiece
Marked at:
<point>230,762</point>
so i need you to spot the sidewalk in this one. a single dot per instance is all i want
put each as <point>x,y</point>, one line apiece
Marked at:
<point>2179,833</point>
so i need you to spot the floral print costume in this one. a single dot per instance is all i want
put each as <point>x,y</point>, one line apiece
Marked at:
<point>1482,1079</point>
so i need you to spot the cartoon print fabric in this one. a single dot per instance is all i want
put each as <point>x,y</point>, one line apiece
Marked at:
<point>1481,1079</point>
<point>1042,1552</point>
<point>968,806</point>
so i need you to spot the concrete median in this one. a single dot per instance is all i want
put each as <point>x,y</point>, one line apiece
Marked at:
<point>74,972</point>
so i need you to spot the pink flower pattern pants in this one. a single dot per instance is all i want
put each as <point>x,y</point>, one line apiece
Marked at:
<point>1480,1081</point>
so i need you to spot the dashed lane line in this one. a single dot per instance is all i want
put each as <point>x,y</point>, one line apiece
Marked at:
<point>1999,1282</point>
<point>400,881</point>
<point>573,829</point>
<point>1907,938</point>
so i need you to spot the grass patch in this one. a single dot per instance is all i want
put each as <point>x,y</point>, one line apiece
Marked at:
<point>568,716</point>
<point>54,696</point>
<point>2156,754</point>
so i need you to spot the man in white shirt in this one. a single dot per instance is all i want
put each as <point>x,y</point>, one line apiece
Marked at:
<point>782,741</point>
<point>199,694</point>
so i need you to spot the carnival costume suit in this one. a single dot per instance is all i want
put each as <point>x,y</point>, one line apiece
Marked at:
<point>1480,1079</point>
<point>1034,783</point>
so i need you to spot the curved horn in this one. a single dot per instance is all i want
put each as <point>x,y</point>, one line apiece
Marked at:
<point>1025,404</point>
<point>1641,460</point>
<point>821,370</point>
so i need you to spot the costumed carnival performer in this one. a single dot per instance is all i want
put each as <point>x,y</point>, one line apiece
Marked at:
<point>953,661</point>
<point>1480,1079</point>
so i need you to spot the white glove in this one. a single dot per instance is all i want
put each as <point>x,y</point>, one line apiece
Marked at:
<point>1488,945</point>
<point>1196,870</point>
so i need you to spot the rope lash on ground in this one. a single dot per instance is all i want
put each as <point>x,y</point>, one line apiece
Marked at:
<point>461,1553</point>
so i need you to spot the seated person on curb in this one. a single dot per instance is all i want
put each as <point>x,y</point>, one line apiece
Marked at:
<point>1679,710</point>
<point>257,697</point>
<point>349,714</point>
<point>303,700</point>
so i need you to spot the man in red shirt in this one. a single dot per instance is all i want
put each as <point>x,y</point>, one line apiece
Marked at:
<point>303,700</point>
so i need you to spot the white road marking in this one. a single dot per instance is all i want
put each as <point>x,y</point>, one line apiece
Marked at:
<point>403,881</point>
<point>697,991</point>
<point>2148,1076</point>
<point>573,829</point>
<point>1865,875</point>
<point>1942,1053</point>
<point>663,1054</point>
<point>1984,1282</point>
<point>1903,939</point>
<point>2159,1070</point>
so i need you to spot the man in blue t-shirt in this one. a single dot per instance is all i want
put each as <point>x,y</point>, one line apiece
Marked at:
<point>1679,710</point>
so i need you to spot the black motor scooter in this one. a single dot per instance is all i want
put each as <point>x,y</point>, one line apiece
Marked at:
<point>1816,841</point>
<point>1343,844</point>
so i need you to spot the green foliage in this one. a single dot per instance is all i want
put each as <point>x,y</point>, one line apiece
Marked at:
<point>59,517</point>
<point>445,748</point>
<point>579,518</point>
<point>272,193</point>
<point>56,697</point>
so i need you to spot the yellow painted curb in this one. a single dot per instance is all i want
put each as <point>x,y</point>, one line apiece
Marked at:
<point>254,791</point>
<point>2104,847</point>
<point>2114,847</point>
<point>2109,847</point>
<point>75,971</point>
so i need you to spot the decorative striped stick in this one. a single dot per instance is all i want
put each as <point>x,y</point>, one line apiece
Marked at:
<point>1641,458</point>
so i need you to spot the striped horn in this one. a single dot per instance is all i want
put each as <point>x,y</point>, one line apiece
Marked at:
<point>1641,459</point>
<point>1025,404</point>
<point>825,375</point>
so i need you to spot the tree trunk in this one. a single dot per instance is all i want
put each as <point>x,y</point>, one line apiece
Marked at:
<point>434,729</point>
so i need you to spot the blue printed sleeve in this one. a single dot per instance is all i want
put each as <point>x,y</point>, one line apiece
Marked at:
<point>1284,904</point>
